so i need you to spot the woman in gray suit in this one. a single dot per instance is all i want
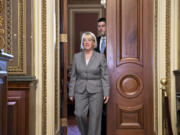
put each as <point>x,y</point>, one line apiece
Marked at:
<point>89,85</point>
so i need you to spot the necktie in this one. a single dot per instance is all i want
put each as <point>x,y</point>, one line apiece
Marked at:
<point>103,45</point>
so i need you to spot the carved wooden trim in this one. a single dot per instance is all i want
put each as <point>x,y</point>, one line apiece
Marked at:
<point>168,41</point>
<point>2,22</point>
<point>8,26</point>
<point>44,68</point>
<point>136,110</point>
<point>57,73</point>
<point>156,64</point>
<point>168,54</point>
<point>20,66</point>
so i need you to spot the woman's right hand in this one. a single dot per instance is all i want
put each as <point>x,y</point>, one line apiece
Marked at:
<point>71,98</point>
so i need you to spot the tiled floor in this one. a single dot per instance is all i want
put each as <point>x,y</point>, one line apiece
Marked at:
<point>72,126</point>
<point>73,130</point>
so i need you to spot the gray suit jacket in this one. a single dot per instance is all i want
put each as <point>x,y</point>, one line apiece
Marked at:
<point>92,77</point>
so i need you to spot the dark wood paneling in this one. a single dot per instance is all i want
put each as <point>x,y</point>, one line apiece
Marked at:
<point>64,63</point>
<point>18,33</point>
<point>3,104</point>
<point>12,117</point>
<point>84,22</point>
<point>130,117</point>
<point>129,31</point>
<point>29,36</point>
<point>84,1</point>
<point>129,58</point>
<point>4,58</point>
<point>19,88</point>
<point>18,117</point>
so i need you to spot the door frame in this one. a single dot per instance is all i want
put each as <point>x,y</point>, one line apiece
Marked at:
<point>165,58</point>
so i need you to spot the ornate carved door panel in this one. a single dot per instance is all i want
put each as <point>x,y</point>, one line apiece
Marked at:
<point>129,57</point>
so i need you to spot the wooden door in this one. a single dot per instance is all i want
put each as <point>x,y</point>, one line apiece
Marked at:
<point>63,66</point>
<point>129,58</point>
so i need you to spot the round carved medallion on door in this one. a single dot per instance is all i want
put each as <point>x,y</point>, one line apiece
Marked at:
<point>129,85</point>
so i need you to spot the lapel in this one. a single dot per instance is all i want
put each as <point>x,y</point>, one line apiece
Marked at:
<point>98,43</point>
<point>83,58</point>
<point>90,61</point>
<point>92,58</point>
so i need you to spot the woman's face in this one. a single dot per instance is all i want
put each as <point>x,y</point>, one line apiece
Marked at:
<point>88,42</point>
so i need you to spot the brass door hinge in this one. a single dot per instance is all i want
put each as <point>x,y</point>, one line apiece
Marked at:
<point>64,122</point>
<point>63,38</point>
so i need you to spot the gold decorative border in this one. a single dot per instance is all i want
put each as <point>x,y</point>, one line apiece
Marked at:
<point>20,68</point>
<point>8,26</point>
<point>168,53</point>
<point>155,64</point>
<point>44,68</point>
<point>168,40</point>
<point>8,13</point>
<point>2,21</point>
<point>57,73</point>
<point>1,5</point>
<point>178,35</point>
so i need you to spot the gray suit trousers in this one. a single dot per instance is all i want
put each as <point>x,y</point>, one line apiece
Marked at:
<point>93,103</point>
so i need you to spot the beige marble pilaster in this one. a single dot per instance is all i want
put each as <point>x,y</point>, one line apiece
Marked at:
<point>37,57</point>
<point>159,60</point>
<point>173,61</point>
<point>44,64</point>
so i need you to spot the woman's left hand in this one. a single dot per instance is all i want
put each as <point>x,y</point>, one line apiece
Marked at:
<point>106,99</point>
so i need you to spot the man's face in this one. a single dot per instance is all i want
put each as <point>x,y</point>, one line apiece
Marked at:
<point>101,28</point>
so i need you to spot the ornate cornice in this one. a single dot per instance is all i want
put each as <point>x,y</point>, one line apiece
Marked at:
<point>44,68</point>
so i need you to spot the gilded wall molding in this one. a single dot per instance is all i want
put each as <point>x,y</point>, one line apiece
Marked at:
<point>2,26</point>
<point>168,41</point>
<point>57,73</point>
<point>44,67</point>
<point>18,49</point>
<point>179,35</point>
<point>1,6</point>
<point>8,26</point>
<point>159,60</point>
<point>155,66</point>
<point>168,58</point>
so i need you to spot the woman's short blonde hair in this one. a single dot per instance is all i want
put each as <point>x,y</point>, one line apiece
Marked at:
<point>88,34</point>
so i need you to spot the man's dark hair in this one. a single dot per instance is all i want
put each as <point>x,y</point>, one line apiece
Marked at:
<point>101,20</point>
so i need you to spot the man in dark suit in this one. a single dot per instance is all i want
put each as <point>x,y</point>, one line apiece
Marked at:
<point>101,47</point>
<point>101,39</point>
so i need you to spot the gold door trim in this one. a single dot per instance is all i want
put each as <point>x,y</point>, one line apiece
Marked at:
<point>44,68</point>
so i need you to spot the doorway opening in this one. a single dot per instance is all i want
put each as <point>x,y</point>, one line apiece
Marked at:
<point>82,16</point>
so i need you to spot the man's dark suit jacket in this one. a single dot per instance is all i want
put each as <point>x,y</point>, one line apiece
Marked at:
<point>103,123</point>
<point>98,44</point>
